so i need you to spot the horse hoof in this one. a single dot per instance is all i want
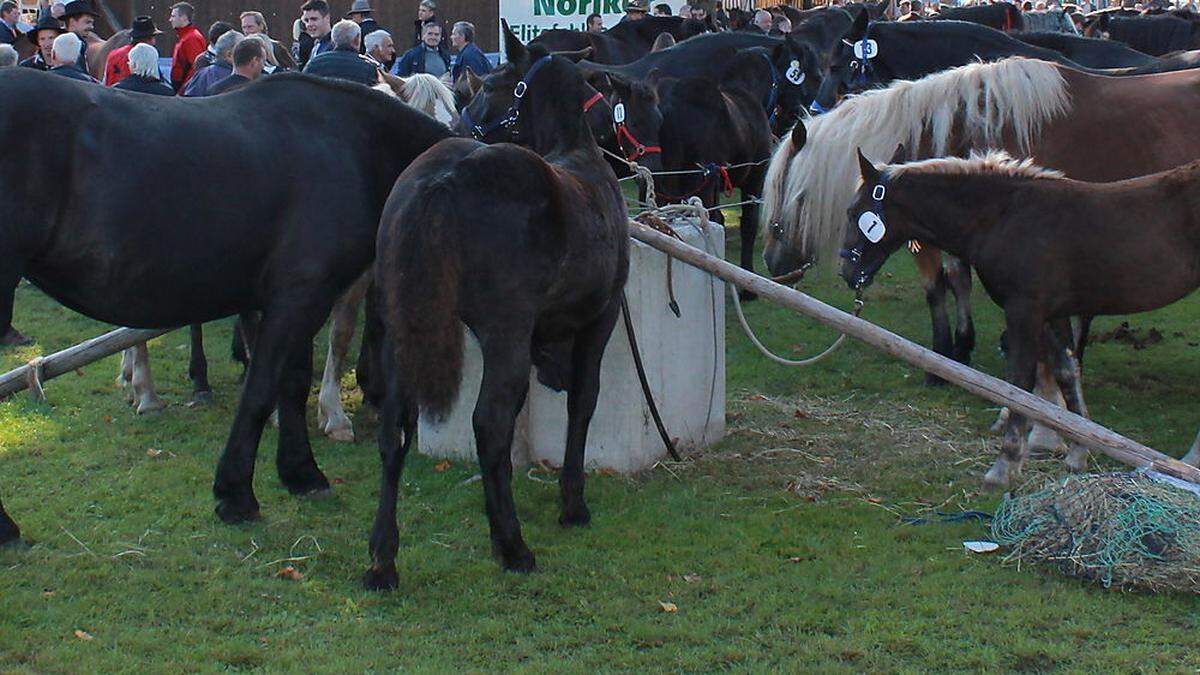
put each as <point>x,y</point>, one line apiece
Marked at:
<point>1043,439</point>
<point>340,435</point>
<point>575,517</point>
<point>150,407</point>
<point>306,482</point>
<point>376,579</point>
<point>1077,459</point>
<point>319,494</point>
<point>998,476</point>
<point>747,296</point>
<point>202,397</point>
<point>14,338</point>
<point>521,562</point>
<point>232,511</point>
<point>932,380</point>
<point>17,544</point>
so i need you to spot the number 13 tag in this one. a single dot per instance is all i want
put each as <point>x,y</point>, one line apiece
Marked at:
<point>866,49</point>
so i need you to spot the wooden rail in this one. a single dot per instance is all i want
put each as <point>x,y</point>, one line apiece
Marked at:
<point>72,358</point>
<point>996,390</point>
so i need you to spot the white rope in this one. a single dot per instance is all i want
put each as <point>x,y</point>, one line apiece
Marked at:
<point>737,306</point>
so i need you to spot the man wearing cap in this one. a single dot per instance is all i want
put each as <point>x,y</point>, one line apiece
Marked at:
<point>189,45</point>
<point>360,13</point>
<point>42,36</point>
<point>81,20</point>
<point>636,10</point>
<point>116,68</point>
<point>9,15</point>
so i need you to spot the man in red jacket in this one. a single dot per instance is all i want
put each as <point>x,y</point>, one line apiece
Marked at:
<point>116,68</point>
<point>190,45</point>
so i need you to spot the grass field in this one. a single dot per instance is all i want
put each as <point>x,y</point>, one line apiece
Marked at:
<point>780,548</point>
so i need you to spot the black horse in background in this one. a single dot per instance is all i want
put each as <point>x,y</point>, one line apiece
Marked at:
<point>528,247</point>
<point>792,74</point>
<point>1001,16</point>
<point>102,248</point>
<point>1089,52</point>
<point>1155,35</point>
<point>625,42</point>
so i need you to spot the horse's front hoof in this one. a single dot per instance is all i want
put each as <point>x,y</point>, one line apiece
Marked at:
<point>151,406</point>
<point>1077,459</point>
<point>340,434</point>
<point>306,481</point>
<point>521,562</point>
<point>1043,440</point>
<point>320,494</point>
<point>234,510</point>
<point>15,544</point>
<point>999,476</point>
<point>14,338</point>
<point>202,397</point>
<point>385,579</point>
<point>575,516</point>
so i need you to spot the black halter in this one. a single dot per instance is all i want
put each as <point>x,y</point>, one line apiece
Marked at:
<point>480,131</point>
<point>853,255</point>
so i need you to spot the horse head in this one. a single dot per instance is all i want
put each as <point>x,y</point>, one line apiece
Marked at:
<point>876,228</point>
<point>854,66</point>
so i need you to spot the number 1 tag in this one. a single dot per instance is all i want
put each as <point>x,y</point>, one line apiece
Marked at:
<point>866,49</point>
<point>619,113</point>
<point>872,227</point>
<point>794,74</point>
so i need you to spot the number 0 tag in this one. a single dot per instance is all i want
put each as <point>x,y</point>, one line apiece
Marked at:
<point>619,113</point>
<point>866,49</point>
<point>795,74</point>
<point>872,227</point>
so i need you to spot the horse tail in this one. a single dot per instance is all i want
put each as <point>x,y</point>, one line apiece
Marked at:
<point>423,307</point>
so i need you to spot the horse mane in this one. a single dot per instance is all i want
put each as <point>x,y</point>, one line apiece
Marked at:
<point>990,162</point>
<point>427,93</point>
<point>807,192</point>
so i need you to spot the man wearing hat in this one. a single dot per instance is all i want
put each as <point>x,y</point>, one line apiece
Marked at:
<point>9,15</point>
<point>80,18</point>
<point>42,36</point>
<point>116,68</point>
<point>360,13</point>
<point>636,10</point>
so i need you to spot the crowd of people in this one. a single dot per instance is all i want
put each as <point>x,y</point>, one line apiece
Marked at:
<point>226,57</point>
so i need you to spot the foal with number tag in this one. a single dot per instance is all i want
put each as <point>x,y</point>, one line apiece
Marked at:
<point>1046,248</point>
<point>529,249</point>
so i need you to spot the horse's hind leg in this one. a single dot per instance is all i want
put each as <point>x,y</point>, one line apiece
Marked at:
<point>1041,437</point>
<point>295,462</point>
<point>958,274</point>
<point>751,192</point>
<point>1024,333</point>
<point>581,404</point>
<point>1067,374</point>
<point>331,416</point>
<point>397,417</point>
<point>933,279</point>
<point>506,363</point>
<point>142,380</point>
<point>125,375</point>
<point>198,367</point>
<point>10,336</point>
<point>10,534</point>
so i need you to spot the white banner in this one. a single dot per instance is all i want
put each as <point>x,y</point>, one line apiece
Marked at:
<point>527,18</point>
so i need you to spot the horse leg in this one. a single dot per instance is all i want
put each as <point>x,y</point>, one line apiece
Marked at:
<point>581,404</point>
<point>10,534</point>
<point>367,370</point>
<point>1193,455</point>
<point>506,363</point>
<point>933,279</point>
<point>385,535</point>
<point>1024,332</point>
<point>125,375</point>
<point>143,381</point>
<point>9,336</point>
<point>331,416</point>
<point>751,192</point>
<point>958,274</point>
<point>1043,438</point>
<point>198,367</point>
<point>1068,376</point>
<point>1080,338</point>
<point>294,459</point>
<point>283,330</point>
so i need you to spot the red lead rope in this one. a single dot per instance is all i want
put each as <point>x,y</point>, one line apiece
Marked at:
<point>639,150</point>
<point>587,105</point>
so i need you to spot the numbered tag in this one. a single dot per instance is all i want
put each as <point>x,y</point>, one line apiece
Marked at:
<point>866,49</point>
<point>794,73</point>
<point>619,113</point>
<point>872,227</point>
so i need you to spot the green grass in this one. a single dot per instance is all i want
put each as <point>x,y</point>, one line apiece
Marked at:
<point>780,547</point>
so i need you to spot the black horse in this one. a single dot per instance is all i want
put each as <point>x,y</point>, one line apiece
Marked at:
<point>625,42</point>
<point>528,248</point>
<point>305,229</point>
<point>1090,52</point>
<point>871,55</point>
<point>1002,16</point>
<point>792,75</point>
<point>1154,35</point>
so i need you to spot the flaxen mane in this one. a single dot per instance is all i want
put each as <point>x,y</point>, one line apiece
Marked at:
<point>995,162</point>
<point>808,191</point>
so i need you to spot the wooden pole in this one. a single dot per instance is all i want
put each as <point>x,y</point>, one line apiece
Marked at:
<point>75,357</point>
<point>1065,422</point>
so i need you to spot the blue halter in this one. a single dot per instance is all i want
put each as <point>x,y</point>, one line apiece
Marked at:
<point>773,95</point>
<point>481,131</point>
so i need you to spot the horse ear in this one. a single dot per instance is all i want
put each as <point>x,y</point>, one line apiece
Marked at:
<point>620,86</point>
<point>576,56</point>
<point>474,82</point>
<point>899,155</point>
<point>800,136</point>
<point>859,30</point>
<point>663,41</point>
<point>514,49</point>
<point>870,174</point>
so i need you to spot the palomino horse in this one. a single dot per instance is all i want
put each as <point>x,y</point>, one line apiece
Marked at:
<point>1027,107</point>
<point>992,211</point>
<point>480,234</point>
<point>96,244</point>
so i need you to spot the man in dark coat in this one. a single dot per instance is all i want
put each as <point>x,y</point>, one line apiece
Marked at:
<point>143,74</point>
<point>203,81</point>
<point>426,14</point>
<point>249,56</point>
<point>9,15</point>
<point>468,55</point>
<point>42,36</point>
<point>345,62</point>
<point>64,58</point>
<point>360,13</point>
<point>116,66</point>
<point>427,57</point>
<point>80,18</point>
<point>315,15</point>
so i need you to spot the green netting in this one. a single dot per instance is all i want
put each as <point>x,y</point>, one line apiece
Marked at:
<point>1122,530</point>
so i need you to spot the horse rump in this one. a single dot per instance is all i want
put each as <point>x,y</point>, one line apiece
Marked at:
<point>421,276</point>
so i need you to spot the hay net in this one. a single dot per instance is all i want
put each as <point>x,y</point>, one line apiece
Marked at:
<point>1136,530</point>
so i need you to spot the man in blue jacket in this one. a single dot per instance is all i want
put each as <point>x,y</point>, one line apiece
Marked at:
<point>428,57</point>
<point>462,43</point>
<point>344,62</point>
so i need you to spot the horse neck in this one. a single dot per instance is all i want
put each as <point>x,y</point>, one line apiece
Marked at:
<point>555,126</point>
<point>955,209</point>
